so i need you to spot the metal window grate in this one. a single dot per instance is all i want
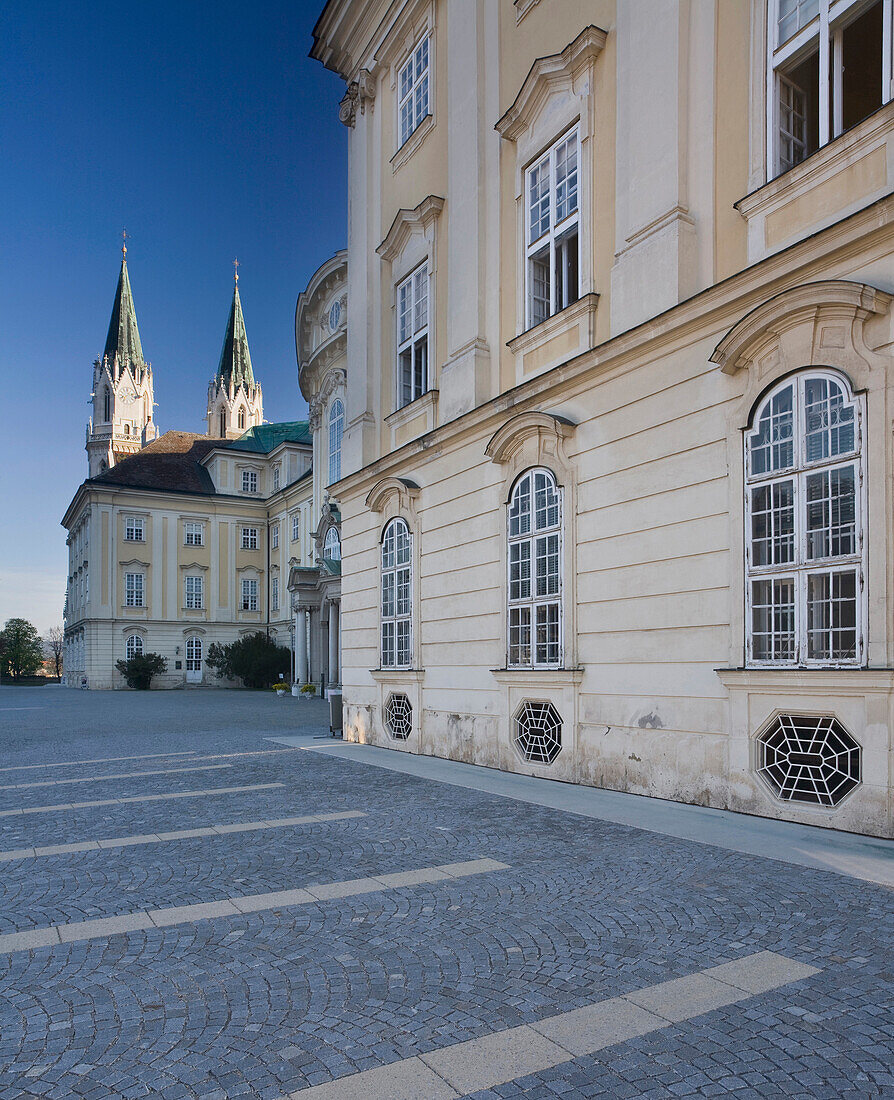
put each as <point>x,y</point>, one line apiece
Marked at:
<point>398,717</point>
<point>538,732</point>
<point>805,758</point>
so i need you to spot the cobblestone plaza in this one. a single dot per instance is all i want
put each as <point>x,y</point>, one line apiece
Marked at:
<point>196,902</point>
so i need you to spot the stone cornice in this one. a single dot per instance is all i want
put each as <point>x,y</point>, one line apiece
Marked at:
<point>406,222</point>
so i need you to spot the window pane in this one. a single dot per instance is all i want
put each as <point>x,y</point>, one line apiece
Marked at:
<point>520,509</point>
<point>403,641</point>
<point>546,502</point>
<point>773,524</point>
<point>402,540</point>
<point>829,422</point>
<point>388,595</point>
<point>420,296</point>
<point>538,287</point>
<point>547,565</point>
<point>548,634</point>
<point>832,616</point>
<point>773,619</point>
<point>771,446</point>
<point>389,653</point>
<point>420,367</point>
<point>831,513</point>
<point>520,571</point>
<point>388,548</point>
<point>404,311</point>
<point>566,178</point>
<point>403,592</point>
<point>520,636</point>
<point>538,200</point>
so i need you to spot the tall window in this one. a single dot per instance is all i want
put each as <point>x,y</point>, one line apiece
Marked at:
<point>134,647</point>
<point>336,430</point>
<point>223,423</point>
<point>193,534</point>
<point>804,547</point>
<point>332,545</point>
<point>829,66</point>
<point>274,593</point>
<point>397,577</point>
<point>249,481</point>
<point>193,654</point>
<point>274,537</point>
<point>552,250</point>
<point>412,336</point>
<point>296,527</point>
<point>194,592</point>
<point>242,418</point>
<point>413,90</point>
<point>276,478</point>
<point>133,529</point>
<point>133,589</point>
<point>535,572</point>
<point>106,404</point>
<point>249,538</point>
<point>249,595</point>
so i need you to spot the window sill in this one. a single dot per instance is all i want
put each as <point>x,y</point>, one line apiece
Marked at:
<point>557,339</point>
<point>413,142</point>
<point>845,679</point>
<point>413,420</point>
<point>835,181</point>
<point>537,675</point>
<point>397,675</point>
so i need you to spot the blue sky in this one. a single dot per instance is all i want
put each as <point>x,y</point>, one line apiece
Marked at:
<point>206,130</point>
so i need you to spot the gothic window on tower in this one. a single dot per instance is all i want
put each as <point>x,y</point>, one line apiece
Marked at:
<point>223,423</point>
<point>242,418</point>
<point>106,405</point>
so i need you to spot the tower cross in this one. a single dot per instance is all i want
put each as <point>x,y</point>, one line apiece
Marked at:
<point>124,243</point>
<point>236,271</point>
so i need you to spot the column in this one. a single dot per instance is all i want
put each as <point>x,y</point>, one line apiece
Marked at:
<point>334,670</point>
<point>300,646</point>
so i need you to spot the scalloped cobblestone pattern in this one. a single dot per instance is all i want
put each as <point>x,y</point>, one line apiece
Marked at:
<point>266,1003</point>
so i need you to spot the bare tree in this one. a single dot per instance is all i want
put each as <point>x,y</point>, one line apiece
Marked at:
<point>54,644</point>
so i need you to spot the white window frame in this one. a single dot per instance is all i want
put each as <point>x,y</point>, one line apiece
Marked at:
<point>134,589</point>
<point>296,527</point>
<point>535,604</point>
<point>194,592</point>
<point>413,301</point>
<point>825,28</point>
<point>554,228</point>
<point>335,436</point>
<point>274,537</point>
<point>393,622</point>
<point>332,539</point>
<point>249,590</point>
<point>193,662</point>
<point>134,529</point>
<point>249,538</point>
<point>274,593</point>
<point>249,481</point>
<point>133,647</point>
<point>414,90</point>
<point>276,478</point>
<point>803,567</point>
<point>193,533</point>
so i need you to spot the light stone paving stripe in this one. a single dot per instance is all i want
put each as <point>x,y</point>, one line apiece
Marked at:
<point>137,798</point>
<point>102,927</point>
<point>117,775</point>
<point>180,834</point>
<point>97,760</point>
<point>503,1056</point>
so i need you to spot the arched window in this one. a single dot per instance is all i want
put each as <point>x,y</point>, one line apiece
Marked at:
<point>336,429</point>
<point>535,572</point>
<point>242,418</point>
<point>332,545</point>
<point>804,524</point>
<point>193,654</point>
<point>106,405</point>
<point>397,580</point>
<point>223,423</point>
<point>134,647</point>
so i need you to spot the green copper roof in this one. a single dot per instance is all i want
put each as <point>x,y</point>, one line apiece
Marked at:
<point>265,437</point>
<point>123,340</point>
<point>235,360</point>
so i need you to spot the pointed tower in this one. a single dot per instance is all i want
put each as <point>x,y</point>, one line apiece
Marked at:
<point>234,398</point>
<point>123,398</point>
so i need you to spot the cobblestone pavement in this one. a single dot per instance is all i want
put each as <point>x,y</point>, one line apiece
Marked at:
<point>272,1002</point>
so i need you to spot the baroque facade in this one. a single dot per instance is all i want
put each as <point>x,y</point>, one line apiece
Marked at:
<point>615,498</point>
<point>181,540</point>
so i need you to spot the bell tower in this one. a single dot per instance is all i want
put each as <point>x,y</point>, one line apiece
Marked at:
<point>123,406</point>
<point>235,402</point>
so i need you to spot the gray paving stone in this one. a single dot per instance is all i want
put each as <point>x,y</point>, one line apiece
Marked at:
<point>588,1029</point>
<point>406,1080</point>
<point>25,941</point>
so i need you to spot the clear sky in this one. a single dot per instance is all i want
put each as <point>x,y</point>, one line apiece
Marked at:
<point>206,130</point>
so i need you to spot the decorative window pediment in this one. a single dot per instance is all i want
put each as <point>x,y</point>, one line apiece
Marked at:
<point>546,428</point>
<point>834,310</point>
<point>420,220</point>
<point>382,495</point>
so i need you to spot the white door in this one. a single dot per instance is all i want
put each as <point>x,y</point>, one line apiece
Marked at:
<point>193,660</point>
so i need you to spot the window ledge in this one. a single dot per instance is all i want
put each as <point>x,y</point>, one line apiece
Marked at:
<point>409,412</point>
<point>843,176</point>
<point>397,675</point>
<point>846,679</point>
<point>537,676</point>
<point>413,142</point>
<point>413,420</point>
<point>557,339</point>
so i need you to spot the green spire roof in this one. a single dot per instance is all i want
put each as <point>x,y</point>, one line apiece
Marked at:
<point>235,359</point>
<point>123,341</point>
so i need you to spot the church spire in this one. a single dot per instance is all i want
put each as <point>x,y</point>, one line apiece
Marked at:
<point>123,348</point>
<point>234,368</point>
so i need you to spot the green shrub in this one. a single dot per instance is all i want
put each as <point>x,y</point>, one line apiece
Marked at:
<point>138,671</point>
<point>256,660</point>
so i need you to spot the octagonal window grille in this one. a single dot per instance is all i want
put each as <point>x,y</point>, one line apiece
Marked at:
<point>811,759</point>
<point>538,732</point>
<point>399,717</point>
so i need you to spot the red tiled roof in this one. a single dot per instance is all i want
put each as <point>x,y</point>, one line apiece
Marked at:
<point>173,461</point>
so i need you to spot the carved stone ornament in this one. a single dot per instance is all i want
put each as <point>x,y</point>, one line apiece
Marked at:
<point>361,92</point>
